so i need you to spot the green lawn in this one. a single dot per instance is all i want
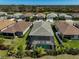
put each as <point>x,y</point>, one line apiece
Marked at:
<point>21,41</point>
<point>16,42</point>
<point>56,41</point>
<point>3,52</point>
<point>72,43</point>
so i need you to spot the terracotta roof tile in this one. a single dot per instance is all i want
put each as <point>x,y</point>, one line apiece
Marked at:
<point>18,27</point>
<point>5,23</point>
<point>67,29</point>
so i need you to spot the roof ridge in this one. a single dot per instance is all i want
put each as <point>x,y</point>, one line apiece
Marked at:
<point>37,29</point>
<point>42,26</point>
<point>45,28</point>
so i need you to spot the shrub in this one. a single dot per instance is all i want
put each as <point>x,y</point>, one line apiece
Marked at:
<point>55,53</point>
<point>72,51</point>
<point>28,53</point>
<point>65,40</point>
<point>12,52</point>
<point>60,50</point>
<point>3,47</point>
<point>40,51</point>
<point>1,41</point>
<point>50,52</point>
<point>34,54</point>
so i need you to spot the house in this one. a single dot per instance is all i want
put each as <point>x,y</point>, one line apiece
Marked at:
<point>65,16</point>
<point>29,16</point>
<point>75,15</point>
<point>18,29</point>
<point>18,16</point>
<point>10,16</point>
<point>41,35</point>
<point>3,15</point>
<point>37,21</point>
<point>67,30</point>
<point>5,23</point>
<point>51,16</point>
<point>40,16</point>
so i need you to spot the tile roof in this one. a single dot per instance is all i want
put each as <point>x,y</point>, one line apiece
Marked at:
<point>65,15</point>
<point>67,29</point>
<point>40,15</point>
<point>29,14</point>
<point>5,23</point>
<point>52,15</point>
<point>20,26</point>
<point>75,15</point>
<point>41,29</point>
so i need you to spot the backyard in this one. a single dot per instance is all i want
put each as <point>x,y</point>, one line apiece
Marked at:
<point>71,43</point>
<point>18,45</point>
<point>14,43</point>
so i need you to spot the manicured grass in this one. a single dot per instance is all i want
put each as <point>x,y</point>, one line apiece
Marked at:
<point>21,41</point>
<point>72,43</point>
<point>3,52</point>
<point>15,43</point>
<point>56,41</point>
<point>7,41</point>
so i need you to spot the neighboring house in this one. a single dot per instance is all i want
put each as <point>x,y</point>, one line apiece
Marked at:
<point>18,16</point>
<point>40,16</point>
<point>10,16</point>
<point>3,15</point>
<point>66,16</point>
<point>41,35</point>
<point>37,21</point>
<point>67,30</point>
<point>51,16</point>
<point>5,23</point>
<point>29,16</point>
<point>18,29</point>
<point>75,15</point>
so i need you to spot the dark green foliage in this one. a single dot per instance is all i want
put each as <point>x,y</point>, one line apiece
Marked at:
<point>1,41</point>
<point>42,8</point>
<point>52,52</point>
<point>72,51</point>
<point>65,40</point>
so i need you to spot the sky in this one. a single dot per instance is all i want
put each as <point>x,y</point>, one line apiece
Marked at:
<point>39,2</point>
